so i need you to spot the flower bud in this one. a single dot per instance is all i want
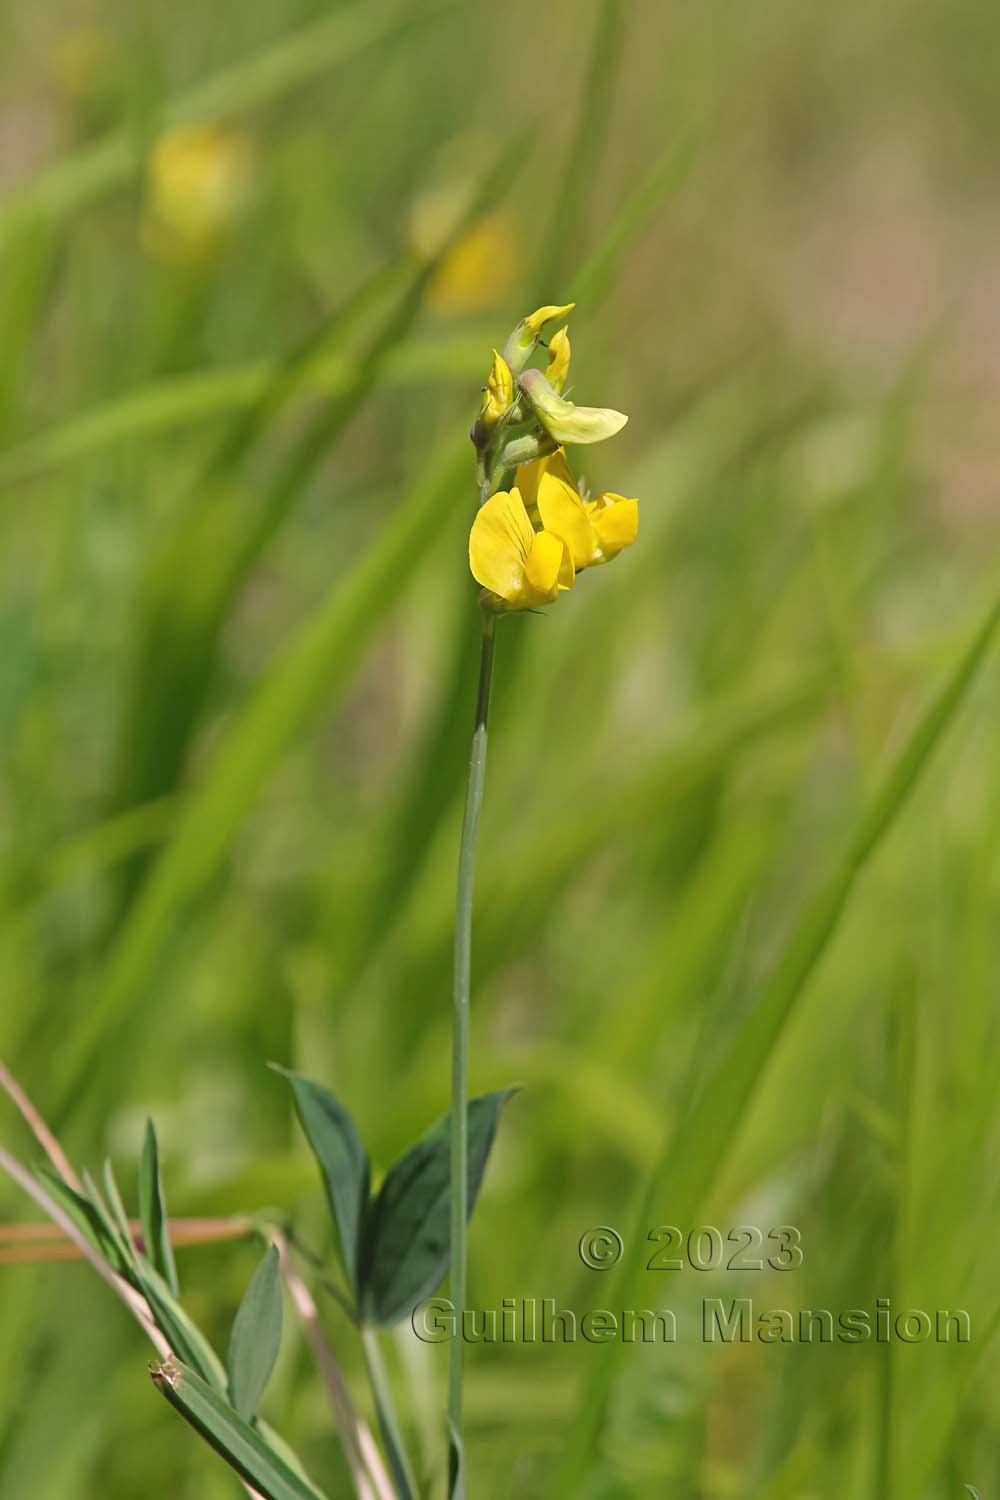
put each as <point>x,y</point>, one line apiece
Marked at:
<point>521,345</point>
<point>498,392</point>
<point>557,372</point>
<point>563,420</point>
<point>525,450</point>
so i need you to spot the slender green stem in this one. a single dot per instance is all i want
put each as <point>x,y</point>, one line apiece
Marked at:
<point>460,1025</point>
<point>388,1421</point>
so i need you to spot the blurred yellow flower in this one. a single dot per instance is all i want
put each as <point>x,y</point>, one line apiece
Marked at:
<point>199,180</point>
<point>478,270</point>
<point>518,567</point>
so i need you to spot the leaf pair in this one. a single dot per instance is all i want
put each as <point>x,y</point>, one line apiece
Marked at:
<point>395,1246</point>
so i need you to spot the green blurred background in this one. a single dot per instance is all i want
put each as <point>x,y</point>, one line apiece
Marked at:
<point>243,325</point>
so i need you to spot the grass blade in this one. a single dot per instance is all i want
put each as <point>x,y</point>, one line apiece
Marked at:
<point>176,402</point>
<point>576,178</point>
<point>689,1164</point>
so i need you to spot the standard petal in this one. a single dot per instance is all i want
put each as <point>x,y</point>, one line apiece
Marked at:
<point>499,543</point>
<point>562,512</point>
<point>528,475</point>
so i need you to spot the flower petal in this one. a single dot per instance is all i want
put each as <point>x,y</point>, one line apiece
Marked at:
<point>499,543</point>
<point>564,421</point>
<point>616,523</point>
<point>562,512</point>
<point>528,475</point>
<point>545,569</point>
<point>557,371</point>
<point>498,392</point>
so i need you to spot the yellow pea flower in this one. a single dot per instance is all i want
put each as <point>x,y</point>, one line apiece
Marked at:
<point>518,567</point>
<point>595,531</point>
<point>528,476</point>
<point>557,372</point>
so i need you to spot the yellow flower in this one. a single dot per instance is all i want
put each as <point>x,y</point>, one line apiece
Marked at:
<point>529,476</point>
<point>498,392</point>
<point>615,521</point>
<point>557,372</point>
<point>518,567</point>
<point>595,531</point>
<point>199,182</point>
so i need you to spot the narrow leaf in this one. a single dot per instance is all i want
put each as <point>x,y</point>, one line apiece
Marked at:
<point>87,1218</point>
<point>242,1447</point>
<point>116,1207</point>
<point>256,1337</point>
<point>181,1332</point>
<point>153,1212</point>
<point>343,1163</point>
<point>406,1248</point>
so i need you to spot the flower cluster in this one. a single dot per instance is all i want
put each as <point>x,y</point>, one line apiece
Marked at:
<point>529,542</point>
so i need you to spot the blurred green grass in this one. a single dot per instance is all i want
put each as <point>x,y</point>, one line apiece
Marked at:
<point>235,683</point>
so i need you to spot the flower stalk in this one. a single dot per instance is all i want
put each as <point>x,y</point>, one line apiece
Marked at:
<point>526,546</point>
<point>460,1013</point>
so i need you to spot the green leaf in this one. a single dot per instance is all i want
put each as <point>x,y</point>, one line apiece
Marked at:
<point>256,1337</point>
<point>88,1219</point>
<point>343,1163</point>
<point>180,1331</point>
<point>406,1246</point>
<point>112,1222</point>
<point>242,1447</point>
<point>153,1212</point>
